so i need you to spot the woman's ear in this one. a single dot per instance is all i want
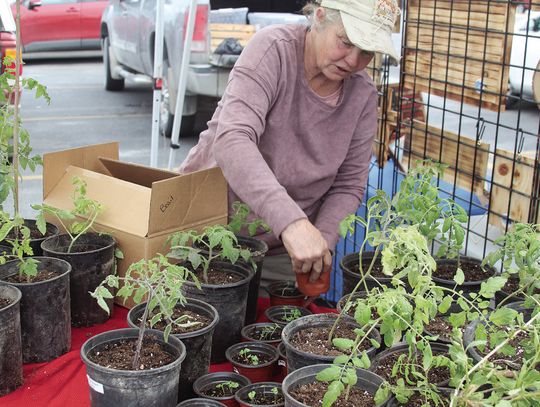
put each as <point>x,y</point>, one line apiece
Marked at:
<point>320,15</point>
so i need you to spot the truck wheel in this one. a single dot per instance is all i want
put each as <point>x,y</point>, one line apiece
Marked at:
<point>166,118</point>
<point>110,82</point>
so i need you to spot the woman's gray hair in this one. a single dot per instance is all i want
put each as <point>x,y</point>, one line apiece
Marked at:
<point>332,16</point>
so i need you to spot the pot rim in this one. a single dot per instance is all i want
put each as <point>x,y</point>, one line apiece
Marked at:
<point>245,279</point>
<point>272,350</point>
<point>255,386</point>
<point>49,240</point>
<point>290,330</point>
<point>133,334</point>
<point>18,296</point>
<point>185,335</point>
<point>215,375</point>
<point>244,335</point>
<point>58,276</point>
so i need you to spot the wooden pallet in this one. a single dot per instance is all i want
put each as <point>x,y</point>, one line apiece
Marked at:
<point>455,48</point>
<point>514,184</point>
<point>467,159</point>
<point>220,32</point>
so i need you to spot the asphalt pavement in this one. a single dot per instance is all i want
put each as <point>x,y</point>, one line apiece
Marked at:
<point>82,112</point>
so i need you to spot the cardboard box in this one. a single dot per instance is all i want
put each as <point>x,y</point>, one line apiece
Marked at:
<point>143,205</point>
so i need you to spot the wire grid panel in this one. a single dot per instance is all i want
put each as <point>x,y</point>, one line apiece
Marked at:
<point>465,97</point>
<point>459,49</point>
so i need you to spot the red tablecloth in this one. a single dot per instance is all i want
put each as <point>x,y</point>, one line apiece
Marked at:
<point>62,382</point>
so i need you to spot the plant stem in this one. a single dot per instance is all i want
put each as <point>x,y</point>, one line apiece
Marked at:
<point>362,280</point>
<point>74,239</point>
<point>16,111</point>
<point>140,338</point>
<point>486,358</point>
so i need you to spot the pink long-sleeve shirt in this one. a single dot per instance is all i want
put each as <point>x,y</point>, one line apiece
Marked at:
<point>284,150</point>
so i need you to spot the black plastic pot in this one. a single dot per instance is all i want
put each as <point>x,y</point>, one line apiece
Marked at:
<point>367,381</point>
<point>230,301</point>
<point>248,333</point>
<point>11,371</point>
<point>343,301</point>
<point>210,380</point>
<point>45,314</point>
<point>298,358</point>
<point>351,272</point>
<point>402,347</point>
<point>262,372</point>
<point>282,362</point>
<point>454,309</point>
<point>258,250</point>
<point>5,249</point>
<point>501,295</point>
<point>89,268</point>
<point>470,330</point>
<point>443,391</point>
<point>35,243</point>
<point>198,402</point>
<point>285,293</point>
<point>468,286</point>
<point>198,344</point>
<point>115,388</point>
<point>278,313</point>
<point>264,388</point>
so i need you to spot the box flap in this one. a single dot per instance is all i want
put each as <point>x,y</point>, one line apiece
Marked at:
<point>135,173</point>
<point>55,164</point>
<point>187,199</point>
<point>126,204</point>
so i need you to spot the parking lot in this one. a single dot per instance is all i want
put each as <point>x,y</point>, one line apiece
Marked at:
<point>82,112</point>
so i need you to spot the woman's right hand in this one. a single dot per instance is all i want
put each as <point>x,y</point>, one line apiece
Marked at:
<point>307,248</point>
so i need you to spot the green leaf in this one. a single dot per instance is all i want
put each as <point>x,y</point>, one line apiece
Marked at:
<point>493,284</point>
<point>334,391</point>
<point>445,304</point>
<point>458,319</point>
<point>329,374</point>
<point>382,394</point>
<point>101,302</point>
<point>362,314</point>
<point>343,344</point>
<point>459,278</point>
<point>341,360</point>
<point>167,332</point>
<point>503,316</point>
<point>427,357</point>
<point>366,363</point>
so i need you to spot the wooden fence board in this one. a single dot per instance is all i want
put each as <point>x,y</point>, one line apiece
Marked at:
<point>467,159</point>
<point>456,48</point>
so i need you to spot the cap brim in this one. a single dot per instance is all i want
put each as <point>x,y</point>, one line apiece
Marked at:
<point>367,36</point>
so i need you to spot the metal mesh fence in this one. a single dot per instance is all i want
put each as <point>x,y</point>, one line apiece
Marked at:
<point>465,94</point>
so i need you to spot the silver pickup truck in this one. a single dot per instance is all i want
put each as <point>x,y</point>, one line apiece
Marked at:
<point>128,36</point>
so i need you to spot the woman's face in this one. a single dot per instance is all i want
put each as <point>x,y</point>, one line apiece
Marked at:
<point>336,57</point>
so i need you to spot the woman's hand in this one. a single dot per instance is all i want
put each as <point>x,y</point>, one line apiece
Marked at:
<point>307,248</point>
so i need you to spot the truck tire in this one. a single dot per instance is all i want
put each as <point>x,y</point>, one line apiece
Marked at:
<point>110,82</point>
<point>166,118</point>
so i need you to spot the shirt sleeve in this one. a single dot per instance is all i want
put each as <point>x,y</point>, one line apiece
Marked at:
<point>248,98</point>
<point>347,191</point>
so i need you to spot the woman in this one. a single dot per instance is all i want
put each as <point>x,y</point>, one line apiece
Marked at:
<point>293,131</point>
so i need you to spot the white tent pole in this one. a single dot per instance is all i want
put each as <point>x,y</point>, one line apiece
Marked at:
<point>182,81</point>
<point>158,73</point>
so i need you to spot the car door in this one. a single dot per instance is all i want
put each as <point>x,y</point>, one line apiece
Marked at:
<point>125,34</point>
<point>91,11</point>
<point>54,25</point>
